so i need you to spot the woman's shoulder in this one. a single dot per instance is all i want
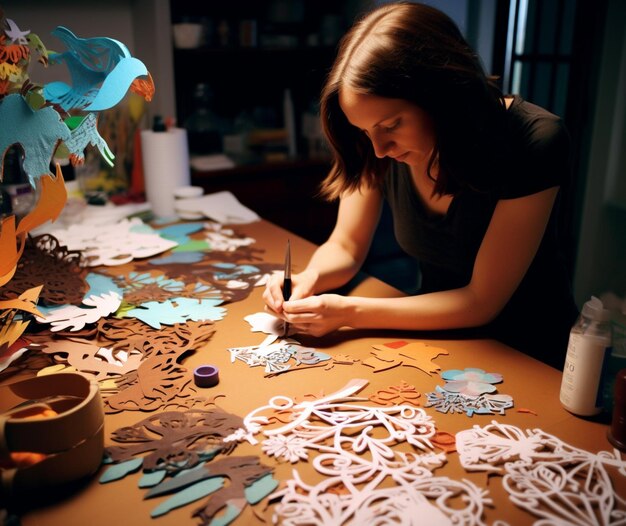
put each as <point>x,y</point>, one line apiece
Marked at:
<point>533,120</point>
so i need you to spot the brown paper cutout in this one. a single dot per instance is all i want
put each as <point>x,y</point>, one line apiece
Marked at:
<point>45,261</point>
<point>174,439</point>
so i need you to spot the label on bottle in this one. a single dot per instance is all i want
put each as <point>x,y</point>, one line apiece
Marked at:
<point>581,386</point>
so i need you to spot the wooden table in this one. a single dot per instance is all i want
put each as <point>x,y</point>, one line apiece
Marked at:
<point>532,385</point>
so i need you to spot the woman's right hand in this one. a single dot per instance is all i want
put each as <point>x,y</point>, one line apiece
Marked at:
<point>302,286</point>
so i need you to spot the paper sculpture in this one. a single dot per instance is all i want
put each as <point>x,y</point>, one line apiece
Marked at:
<point>41,122</point>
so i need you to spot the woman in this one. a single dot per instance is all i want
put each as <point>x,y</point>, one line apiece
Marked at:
<point>472,179</point>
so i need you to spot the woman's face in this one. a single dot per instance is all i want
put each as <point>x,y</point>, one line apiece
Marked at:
<point>397,128</point>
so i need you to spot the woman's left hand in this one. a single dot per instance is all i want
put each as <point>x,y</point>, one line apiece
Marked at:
<point>317,315</point>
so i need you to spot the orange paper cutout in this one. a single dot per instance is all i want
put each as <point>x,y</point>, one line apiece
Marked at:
<point>415,354</point>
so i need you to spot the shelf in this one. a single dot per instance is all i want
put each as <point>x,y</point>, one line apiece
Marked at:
<point>285,193</point>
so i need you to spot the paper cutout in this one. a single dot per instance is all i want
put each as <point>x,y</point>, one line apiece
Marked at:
<point>222,207</point>
<point>86,133</point>
<point>113,244</point>
<point>86,357</point>
<point>470,381</point>
<point>485,404</point>
<point>38,132</point>
<point>277,355</point>
<point>102,71</point>
<point>73,318</point>
<point>44,261</point>
<point>545,476</point>
<point>415,354</point>
<point>177,449</point>
<point>353,448</point>
<point>468,391</point>
<point>396,395</point>
<point>177,311</point>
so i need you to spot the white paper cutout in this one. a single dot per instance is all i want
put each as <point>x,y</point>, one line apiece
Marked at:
<point>546,476</point>
<point>266,323</point>
<point>224,239</point>
<point>74,317</point>
<point>222,207</point>
<point>354,445</point>
<point>113,244</point>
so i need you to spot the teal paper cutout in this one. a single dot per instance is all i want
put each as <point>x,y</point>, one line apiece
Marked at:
<point>119,471</point>
<point>190,494</point>
<point>36,131</point>
<point>87,133</point>
<point>231,513</point>
<point>151,479</point>
<point>177,310</point>
<point>101,69</point>
<point>260,488</point>
<point>178,258</point>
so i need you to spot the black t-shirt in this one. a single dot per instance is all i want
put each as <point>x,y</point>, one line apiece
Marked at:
<point>538,317</point>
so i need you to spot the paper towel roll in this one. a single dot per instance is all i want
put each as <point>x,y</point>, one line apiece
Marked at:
<point>165,158</point>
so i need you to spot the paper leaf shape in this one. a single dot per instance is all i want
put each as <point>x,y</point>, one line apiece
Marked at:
<point>178,310</point>
<point>74,318</point>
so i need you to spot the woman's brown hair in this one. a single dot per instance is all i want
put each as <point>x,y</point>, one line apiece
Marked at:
<point>412,51</point>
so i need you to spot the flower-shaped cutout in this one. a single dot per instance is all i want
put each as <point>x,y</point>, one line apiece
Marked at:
<point>470,381</point>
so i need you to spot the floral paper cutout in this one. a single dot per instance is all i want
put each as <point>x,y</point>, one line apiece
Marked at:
<point>545,476</point>
<point>470,391</point>
<point>396,395</point>
<point>352,446</point>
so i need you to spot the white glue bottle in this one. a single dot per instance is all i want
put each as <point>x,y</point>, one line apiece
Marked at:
<point>589,345</point>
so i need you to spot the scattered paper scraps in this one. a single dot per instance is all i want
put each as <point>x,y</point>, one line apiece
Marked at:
<point>45,263</point>
<point>545,476</point>
<point>113,244</point>
<point>396,395</point>
<point>138,367</point>
<point>177,454</point>
<point>401,353</point>
<point>224,239</point>
<point>102,299</point>
<point>352,445</point>
<point>470,391</point>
